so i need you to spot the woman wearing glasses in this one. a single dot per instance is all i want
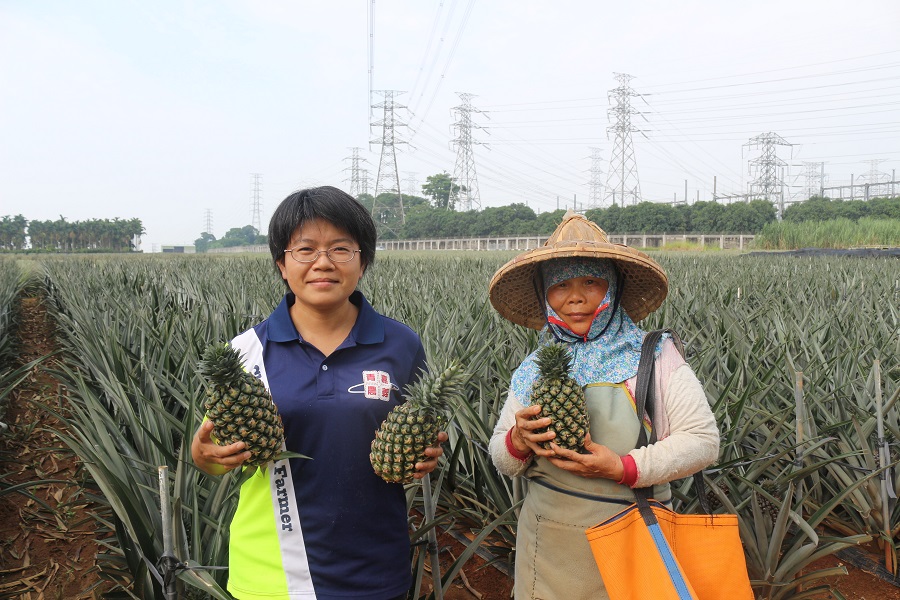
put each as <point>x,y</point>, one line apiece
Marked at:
<point>327,527</point>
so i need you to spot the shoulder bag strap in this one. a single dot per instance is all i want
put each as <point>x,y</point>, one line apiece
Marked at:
<point>643,400</point>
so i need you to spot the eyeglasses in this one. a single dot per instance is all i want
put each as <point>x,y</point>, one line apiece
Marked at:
<point>338,254</point>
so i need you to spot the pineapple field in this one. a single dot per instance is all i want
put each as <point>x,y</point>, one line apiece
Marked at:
<point>798,357</point>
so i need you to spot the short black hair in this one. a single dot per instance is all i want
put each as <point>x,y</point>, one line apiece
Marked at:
<point>328,204</point>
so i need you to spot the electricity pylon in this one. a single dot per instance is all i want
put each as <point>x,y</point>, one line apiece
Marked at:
<point>767,184</point>
<point>208,221</point>
<point>875,178</point>
<point>595,186</point>
<point>412,184</point>
<point>356,182</point>
<point>622,179</point>
<point>256,202</point>
<point>468,196</point>
<point>814,176</point>
<point>388,216</point>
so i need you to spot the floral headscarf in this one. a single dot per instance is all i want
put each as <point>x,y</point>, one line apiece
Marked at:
<point>609,352</point>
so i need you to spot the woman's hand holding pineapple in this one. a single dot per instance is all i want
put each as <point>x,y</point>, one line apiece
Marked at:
<point>434,453</point>
<point>212,458</point>
<point>524,437</point>
<point>597,461</point>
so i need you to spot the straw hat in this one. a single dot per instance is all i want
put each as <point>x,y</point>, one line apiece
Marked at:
<point>514,290</point>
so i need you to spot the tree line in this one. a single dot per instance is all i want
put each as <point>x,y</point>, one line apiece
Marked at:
<point>825,209</point>
<point>236,236</point>
<point>94,235</point>
<point>423,220</point>
<point>434,216</point>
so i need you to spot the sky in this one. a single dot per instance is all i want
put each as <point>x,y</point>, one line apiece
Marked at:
<point>177,112</point>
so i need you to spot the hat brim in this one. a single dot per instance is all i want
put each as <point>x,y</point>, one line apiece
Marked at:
<point>514,294</point>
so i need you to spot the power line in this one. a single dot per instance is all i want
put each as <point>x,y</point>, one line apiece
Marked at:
<point>782,79</point>
<point>371,59</point>
<point>510,178</point>
<point>676,159</point>
<point>806,66</point>
<point>434,26</point>
<point>451,54</point>
<point>694,99</point>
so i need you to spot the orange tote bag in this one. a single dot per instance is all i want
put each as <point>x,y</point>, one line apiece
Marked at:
<point>680,557</point>
<point>649,552</point>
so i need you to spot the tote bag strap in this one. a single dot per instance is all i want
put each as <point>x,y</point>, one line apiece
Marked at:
<point>643,401</point>
<point>643,392</point>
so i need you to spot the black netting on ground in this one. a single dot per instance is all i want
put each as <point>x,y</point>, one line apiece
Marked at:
<point>858,252</point>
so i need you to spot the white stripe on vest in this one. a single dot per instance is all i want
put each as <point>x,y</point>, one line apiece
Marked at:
<point>287,519</point>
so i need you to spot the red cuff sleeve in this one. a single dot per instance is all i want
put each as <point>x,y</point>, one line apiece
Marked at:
<point>522,456</point>
<point>630,476</point>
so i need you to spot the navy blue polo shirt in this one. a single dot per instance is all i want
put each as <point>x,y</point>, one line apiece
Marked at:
<point>354,524</point>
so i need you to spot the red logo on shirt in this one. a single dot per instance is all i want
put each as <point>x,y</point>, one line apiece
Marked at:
<point>377,385</point>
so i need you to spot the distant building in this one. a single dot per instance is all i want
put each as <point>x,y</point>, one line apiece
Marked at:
<point>179,250</point>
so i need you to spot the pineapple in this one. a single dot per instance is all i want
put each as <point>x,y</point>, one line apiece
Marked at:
<point>560,398</point>
<point>239,405</point>
<point>713,500</point>
<point>767,506</point>
<point>411,427</point>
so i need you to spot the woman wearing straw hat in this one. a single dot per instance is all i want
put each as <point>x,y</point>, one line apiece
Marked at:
<point>580,290</point>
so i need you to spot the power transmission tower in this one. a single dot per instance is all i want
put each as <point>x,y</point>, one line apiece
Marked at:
<point>208,221</point>
<point>767,185</point>
<point>388,216</point>
<point>622,179</point>
<point>356,184</point>
<point>256,202</point>
<point>468,196</point>
<point>364,181</point>
<point>875,179</point>
<point>412,184</point>
<point>814,176</point>
<point>595,186</point>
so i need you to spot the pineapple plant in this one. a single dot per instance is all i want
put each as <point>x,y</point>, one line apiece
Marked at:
<point>560,398</point>
<point>713,500</point>
<point>239,405</point>
<point>767,506</point>
<point>411,427</point>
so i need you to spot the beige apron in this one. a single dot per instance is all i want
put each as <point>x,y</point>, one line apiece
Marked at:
<point>553,558</point>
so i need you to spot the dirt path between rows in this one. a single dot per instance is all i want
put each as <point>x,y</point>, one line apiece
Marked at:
<point>48,543</point>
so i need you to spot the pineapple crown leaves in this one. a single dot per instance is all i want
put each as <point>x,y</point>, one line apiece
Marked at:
<point>221,365</point>
<point>554,361</point>
<point>437,389</point>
